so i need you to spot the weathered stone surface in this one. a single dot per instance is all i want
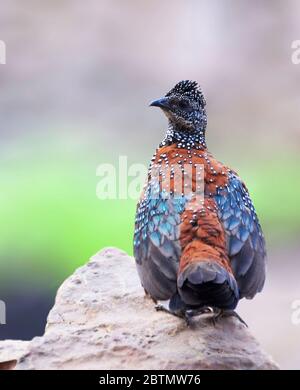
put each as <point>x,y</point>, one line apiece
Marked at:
<point>10,352</point>
<point>102,320</point>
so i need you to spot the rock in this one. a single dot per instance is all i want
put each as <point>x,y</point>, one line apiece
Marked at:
<point>103,320</point>
<point>10,352</point>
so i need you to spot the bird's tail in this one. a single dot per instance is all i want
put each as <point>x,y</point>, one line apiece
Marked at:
<point>207,280</point>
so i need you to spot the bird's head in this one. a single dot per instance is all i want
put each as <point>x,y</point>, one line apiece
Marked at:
<point>184,106</point>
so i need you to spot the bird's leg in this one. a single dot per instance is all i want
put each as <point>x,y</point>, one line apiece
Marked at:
<point>220,313</point>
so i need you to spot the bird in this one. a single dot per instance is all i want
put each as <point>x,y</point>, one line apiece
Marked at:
<point>198,244</point>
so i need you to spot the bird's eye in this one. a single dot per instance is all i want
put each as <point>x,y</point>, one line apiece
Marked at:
<point>183,104</point>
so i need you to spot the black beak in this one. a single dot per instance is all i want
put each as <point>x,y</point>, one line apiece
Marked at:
<point>161,103</point>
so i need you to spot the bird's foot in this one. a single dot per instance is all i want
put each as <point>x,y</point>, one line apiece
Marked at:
<point>187,314</point>
<point>166,308</point>
<point>190,313</point>
<point>220,313</point>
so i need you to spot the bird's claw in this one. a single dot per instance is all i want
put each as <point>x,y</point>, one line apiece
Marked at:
<point>226,313</point>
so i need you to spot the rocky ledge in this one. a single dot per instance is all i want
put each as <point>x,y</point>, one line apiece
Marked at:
<point>102,319</point>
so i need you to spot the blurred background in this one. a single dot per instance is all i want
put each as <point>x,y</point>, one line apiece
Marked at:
<point>74,94</point>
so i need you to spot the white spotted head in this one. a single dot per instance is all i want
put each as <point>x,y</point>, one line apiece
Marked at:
<point>184,106</point>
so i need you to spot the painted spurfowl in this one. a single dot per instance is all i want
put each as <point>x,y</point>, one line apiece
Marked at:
<point>198,243</point>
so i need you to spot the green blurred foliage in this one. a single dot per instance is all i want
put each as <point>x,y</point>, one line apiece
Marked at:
<point>52,221</point>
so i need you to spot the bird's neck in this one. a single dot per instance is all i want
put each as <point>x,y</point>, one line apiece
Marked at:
<point>185,138</point>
